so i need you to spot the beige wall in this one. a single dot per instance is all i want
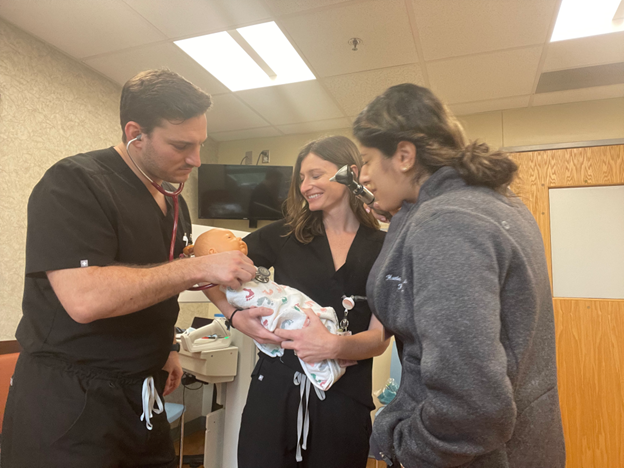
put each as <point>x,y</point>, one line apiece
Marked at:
<point>562,123</point>
<point>209,154</point>
<point>51,107</point>
<point>283,149</point>
<point>554,124</point>
<point>283,152</point>
<point>543,125</point>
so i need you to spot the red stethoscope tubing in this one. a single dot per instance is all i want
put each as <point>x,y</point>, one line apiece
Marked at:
<point>176,211</point>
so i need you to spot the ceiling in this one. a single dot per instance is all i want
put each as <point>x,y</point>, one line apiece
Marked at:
<point>477,55</point>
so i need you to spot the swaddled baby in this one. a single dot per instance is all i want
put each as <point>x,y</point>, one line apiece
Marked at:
<point>286,303</point>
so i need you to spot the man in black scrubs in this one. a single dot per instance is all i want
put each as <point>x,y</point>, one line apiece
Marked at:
<point>100,297</point>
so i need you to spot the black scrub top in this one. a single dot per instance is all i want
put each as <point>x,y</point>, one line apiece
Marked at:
<point>310,269</point>
<point>92,210</point>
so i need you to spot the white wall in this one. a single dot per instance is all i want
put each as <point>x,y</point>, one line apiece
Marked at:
<point>587,239</point>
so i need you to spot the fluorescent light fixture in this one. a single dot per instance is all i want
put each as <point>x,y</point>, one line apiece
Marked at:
<point>583,18</point>
<point>270,60</point>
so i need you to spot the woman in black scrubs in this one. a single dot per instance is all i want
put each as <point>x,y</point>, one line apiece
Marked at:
<point>325,248</point>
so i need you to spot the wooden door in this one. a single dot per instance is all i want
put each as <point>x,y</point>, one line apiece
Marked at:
<point>590,332</point>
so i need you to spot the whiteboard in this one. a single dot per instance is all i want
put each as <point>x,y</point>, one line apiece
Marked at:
<point>587,238</point>
<point>199,296</point>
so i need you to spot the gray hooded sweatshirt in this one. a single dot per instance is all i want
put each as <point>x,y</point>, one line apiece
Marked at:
<point>462,283</point>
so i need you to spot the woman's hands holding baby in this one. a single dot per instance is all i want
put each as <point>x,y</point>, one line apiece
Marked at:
<point>248,321</point>
<point>313,343</point>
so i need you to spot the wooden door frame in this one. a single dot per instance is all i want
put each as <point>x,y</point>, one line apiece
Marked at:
<point>590,345</point>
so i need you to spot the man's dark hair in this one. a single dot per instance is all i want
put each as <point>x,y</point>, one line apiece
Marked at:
<point>156,95</point>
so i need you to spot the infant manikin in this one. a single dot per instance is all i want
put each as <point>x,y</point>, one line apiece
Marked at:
<point>286,303</point>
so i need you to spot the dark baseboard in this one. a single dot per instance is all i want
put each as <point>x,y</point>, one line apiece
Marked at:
<point>10,347</point>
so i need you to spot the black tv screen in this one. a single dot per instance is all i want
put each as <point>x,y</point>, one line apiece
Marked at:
<point>242,192</point>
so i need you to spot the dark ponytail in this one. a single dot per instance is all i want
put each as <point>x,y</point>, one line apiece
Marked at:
<point>478,165</point>
<point>412,113</point>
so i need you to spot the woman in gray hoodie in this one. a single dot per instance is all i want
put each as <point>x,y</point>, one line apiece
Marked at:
<point>462,283</point>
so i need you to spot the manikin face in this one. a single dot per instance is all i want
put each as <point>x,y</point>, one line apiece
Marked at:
<point>217,241</point>
<point>319,192</point>
<point>171,150</point>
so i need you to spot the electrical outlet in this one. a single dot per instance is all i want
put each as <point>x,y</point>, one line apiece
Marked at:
<point>248,158</point>
<point>266,159</point>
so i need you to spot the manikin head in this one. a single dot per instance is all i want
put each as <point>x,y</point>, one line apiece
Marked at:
<point>217,241</point>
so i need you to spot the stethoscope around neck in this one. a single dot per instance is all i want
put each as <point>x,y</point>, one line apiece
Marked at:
<point>176,208</point>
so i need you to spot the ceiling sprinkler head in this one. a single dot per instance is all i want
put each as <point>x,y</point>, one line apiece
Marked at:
<point>354,42</point>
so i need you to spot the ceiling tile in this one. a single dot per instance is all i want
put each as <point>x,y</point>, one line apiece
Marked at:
<point>354,91</point>
<point>228,113</point>
<point>460,27</point>
<point>586,51</point>
<point>491,105</point>
<point>187,18</point>
<point>576,95</point>
<point>121,66</point>
<point>484,77</point>
<point>322,37</point>
<point>245,134</point>
<point>320,126</point>
<point>292,103</point>
<point>81,28</point>
<point>284,7</point>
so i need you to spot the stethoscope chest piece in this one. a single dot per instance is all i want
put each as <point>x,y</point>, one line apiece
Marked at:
<point>262,275</point>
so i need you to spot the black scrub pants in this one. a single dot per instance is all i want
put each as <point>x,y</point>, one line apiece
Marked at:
<point>61,415</point>
<point>340,427</point>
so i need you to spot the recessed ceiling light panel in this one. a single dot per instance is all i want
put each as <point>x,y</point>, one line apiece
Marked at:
<point>584,18</point>
<point>224,57</point>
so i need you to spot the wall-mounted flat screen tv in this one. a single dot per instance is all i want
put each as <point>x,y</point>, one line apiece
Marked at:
<point>242,192</point>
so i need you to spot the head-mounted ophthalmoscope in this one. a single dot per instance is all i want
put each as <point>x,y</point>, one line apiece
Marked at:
<point>345,176</point>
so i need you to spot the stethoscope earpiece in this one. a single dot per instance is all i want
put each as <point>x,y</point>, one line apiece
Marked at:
<point>166,193</point>
<point>158,187</point>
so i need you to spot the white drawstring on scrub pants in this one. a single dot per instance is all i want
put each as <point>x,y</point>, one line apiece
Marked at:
<point>150,396</point>
<point>303,420</point>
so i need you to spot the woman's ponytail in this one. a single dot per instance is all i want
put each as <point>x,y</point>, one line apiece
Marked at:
<point>478,165</point>
<point>408,112</point>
